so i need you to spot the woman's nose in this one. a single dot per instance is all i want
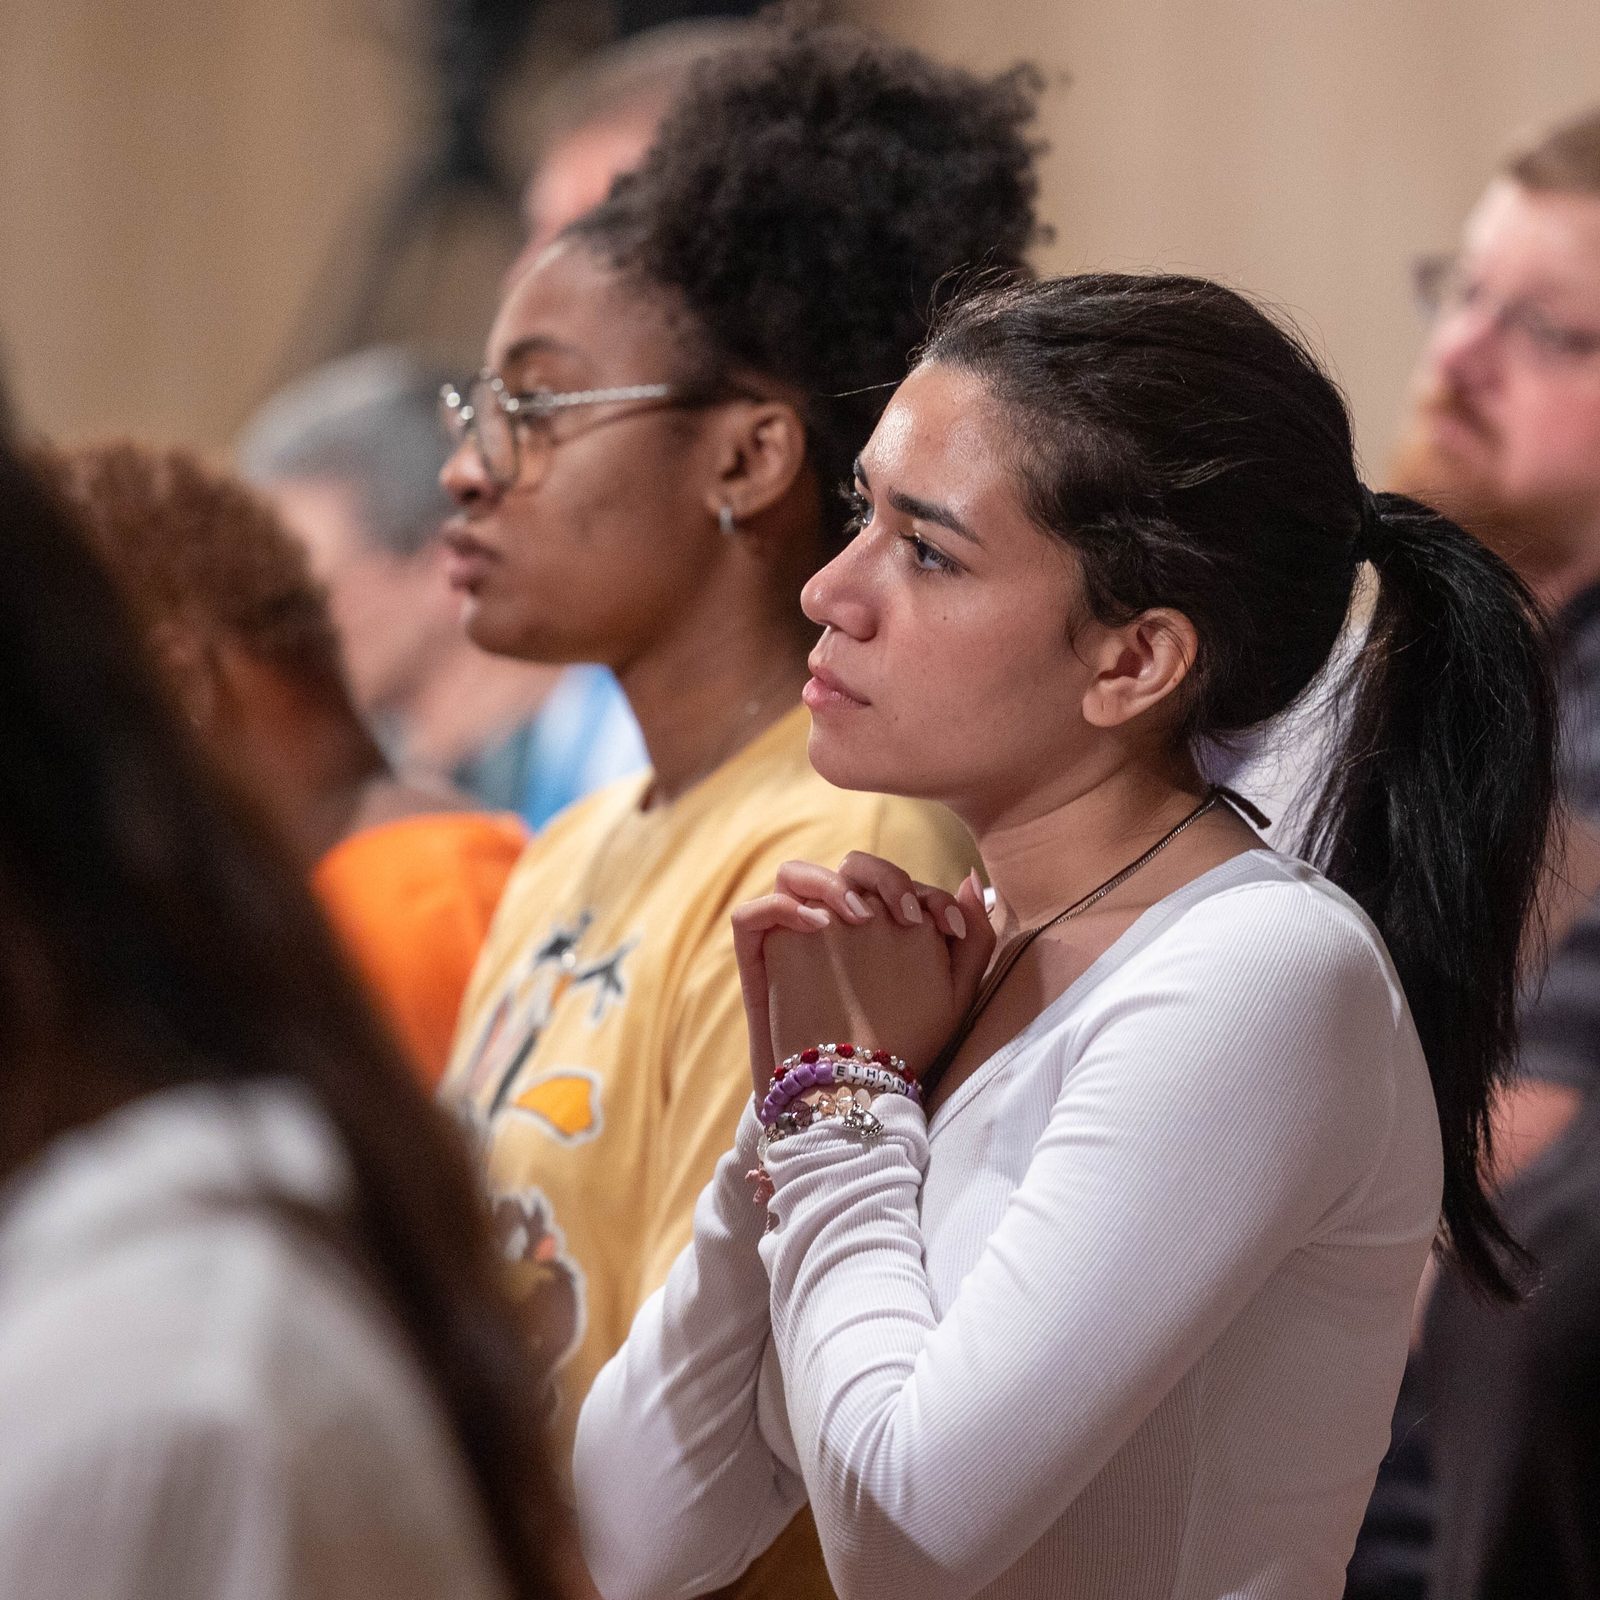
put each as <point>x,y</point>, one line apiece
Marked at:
<point>841,596</point>
<point>465,478</point>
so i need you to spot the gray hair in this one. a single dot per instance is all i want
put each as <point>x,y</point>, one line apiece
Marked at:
<point>369,421</point>
<point>642,74</point>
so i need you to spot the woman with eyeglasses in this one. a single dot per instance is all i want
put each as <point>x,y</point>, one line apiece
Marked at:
<point>647,473</point>
<point>1088,1238</point>
<point>253,1340</point>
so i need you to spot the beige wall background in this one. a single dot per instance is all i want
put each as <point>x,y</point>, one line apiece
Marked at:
<point>177,180</point>
<point>171,174</point>
<point>186,190</point>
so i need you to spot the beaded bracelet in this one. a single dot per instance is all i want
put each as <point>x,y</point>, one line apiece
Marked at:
<point>835,1064</point>
<point>842,1052</point>
<point>867,1080</point>
<point>851,1078</point>
<point>847,1107</point>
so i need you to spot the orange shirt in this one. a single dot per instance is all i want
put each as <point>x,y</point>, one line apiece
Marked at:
<point>411,902</point>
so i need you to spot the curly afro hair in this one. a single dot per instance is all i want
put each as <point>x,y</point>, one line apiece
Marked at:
<point>810,198</point>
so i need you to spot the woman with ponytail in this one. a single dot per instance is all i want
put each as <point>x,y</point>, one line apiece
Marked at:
<point>1095,1279</point>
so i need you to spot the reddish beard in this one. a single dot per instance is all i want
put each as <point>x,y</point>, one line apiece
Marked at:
<point>1464,486</point>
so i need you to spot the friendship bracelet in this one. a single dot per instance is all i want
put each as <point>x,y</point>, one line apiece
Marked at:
<point>844,1108</point>
<point>849,1078</point>
<point>842,1052</point>
<point>824,1075</point>
<point>825,1065</point>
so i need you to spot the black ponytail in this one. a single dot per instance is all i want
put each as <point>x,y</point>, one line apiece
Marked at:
<point>1435,819</point>
<point>1194,455</point>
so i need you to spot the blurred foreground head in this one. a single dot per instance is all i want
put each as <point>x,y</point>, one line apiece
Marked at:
<point>151,935</point>
<point>1506,431</point>
<point>234,619</point>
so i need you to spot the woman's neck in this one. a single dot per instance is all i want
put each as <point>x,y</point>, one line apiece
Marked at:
<point>704,693</point>
<point>1042,859</point>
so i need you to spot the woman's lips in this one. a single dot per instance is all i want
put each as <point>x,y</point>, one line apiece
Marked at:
<point>824,692</point>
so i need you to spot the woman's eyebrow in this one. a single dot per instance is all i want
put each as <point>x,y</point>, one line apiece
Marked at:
<point>535,344</point>
<point>922,510</point>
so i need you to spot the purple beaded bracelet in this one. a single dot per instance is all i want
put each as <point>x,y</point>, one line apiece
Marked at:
<point>823,1073</point>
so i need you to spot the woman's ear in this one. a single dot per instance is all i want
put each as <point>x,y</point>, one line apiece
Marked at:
<point>1138,665</point>
<point>760,454</point>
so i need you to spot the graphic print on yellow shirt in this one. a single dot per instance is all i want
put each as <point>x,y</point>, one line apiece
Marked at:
<point>601,1058</point>
<point>545,1283</point>
<point>568,1101</point>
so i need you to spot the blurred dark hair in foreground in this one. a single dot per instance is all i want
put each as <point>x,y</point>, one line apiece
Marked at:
<point>151,937</point>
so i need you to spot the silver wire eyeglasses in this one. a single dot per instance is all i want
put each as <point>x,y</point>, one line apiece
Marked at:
<point>496,420</point>
<point>1443,288</point>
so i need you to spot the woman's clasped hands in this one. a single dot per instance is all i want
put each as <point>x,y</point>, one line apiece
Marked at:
<point>863,954</point>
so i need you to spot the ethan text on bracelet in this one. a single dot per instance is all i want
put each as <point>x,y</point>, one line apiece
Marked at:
<point>842,1052</point>
<point>857,1071</point>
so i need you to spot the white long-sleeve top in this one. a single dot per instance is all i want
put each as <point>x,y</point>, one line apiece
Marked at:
<point>1126,1322</point>
<point>199,1401</point>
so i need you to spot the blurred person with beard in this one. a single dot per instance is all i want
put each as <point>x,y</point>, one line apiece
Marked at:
<point>408,873</point>
<point>1501,1409</point>
<point>350,454</point>
<point>1505,437</point>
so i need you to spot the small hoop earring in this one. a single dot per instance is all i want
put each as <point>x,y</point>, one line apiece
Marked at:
<point>726,523</point>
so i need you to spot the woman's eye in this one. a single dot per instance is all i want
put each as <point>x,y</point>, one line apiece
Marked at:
<point>858,512</point>
<point>927,557</point>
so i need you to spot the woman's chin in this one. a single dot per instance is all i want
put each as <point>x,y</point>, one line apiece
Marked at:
<point>847,767</point>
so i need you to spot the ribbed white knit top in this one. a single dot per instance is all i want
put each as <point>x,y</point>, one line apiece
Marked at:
<point>1126,1322</point>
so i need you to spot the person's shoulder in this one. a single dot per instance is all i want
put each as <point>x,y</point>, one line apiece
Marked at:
<point>231,1366</point>
<point>1267,924</point>
<point>924,838</point>
<point>231,1318</point>
<point>818,821</point>
<point>595,814</point>
<point>412,853</point>
<point>1259,994</point>
<point>572,835</point>
<point>174,1321</point>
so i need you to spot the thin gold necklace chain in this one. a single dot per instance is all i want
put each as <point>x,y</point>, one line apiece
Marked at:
<point>747,726</point>
<point>1009,957</point>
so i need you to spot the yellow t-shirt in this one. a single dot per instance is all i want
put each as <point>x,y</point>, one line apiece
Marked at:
<point>601,1054</point>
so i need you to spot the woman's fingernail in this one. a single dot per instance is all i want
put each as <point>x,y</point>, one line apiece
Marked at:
<point>910,909</point>
<point>955,922</point>
<point>857,906</point>
<point>977,883</point>
<point>816,916</point>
